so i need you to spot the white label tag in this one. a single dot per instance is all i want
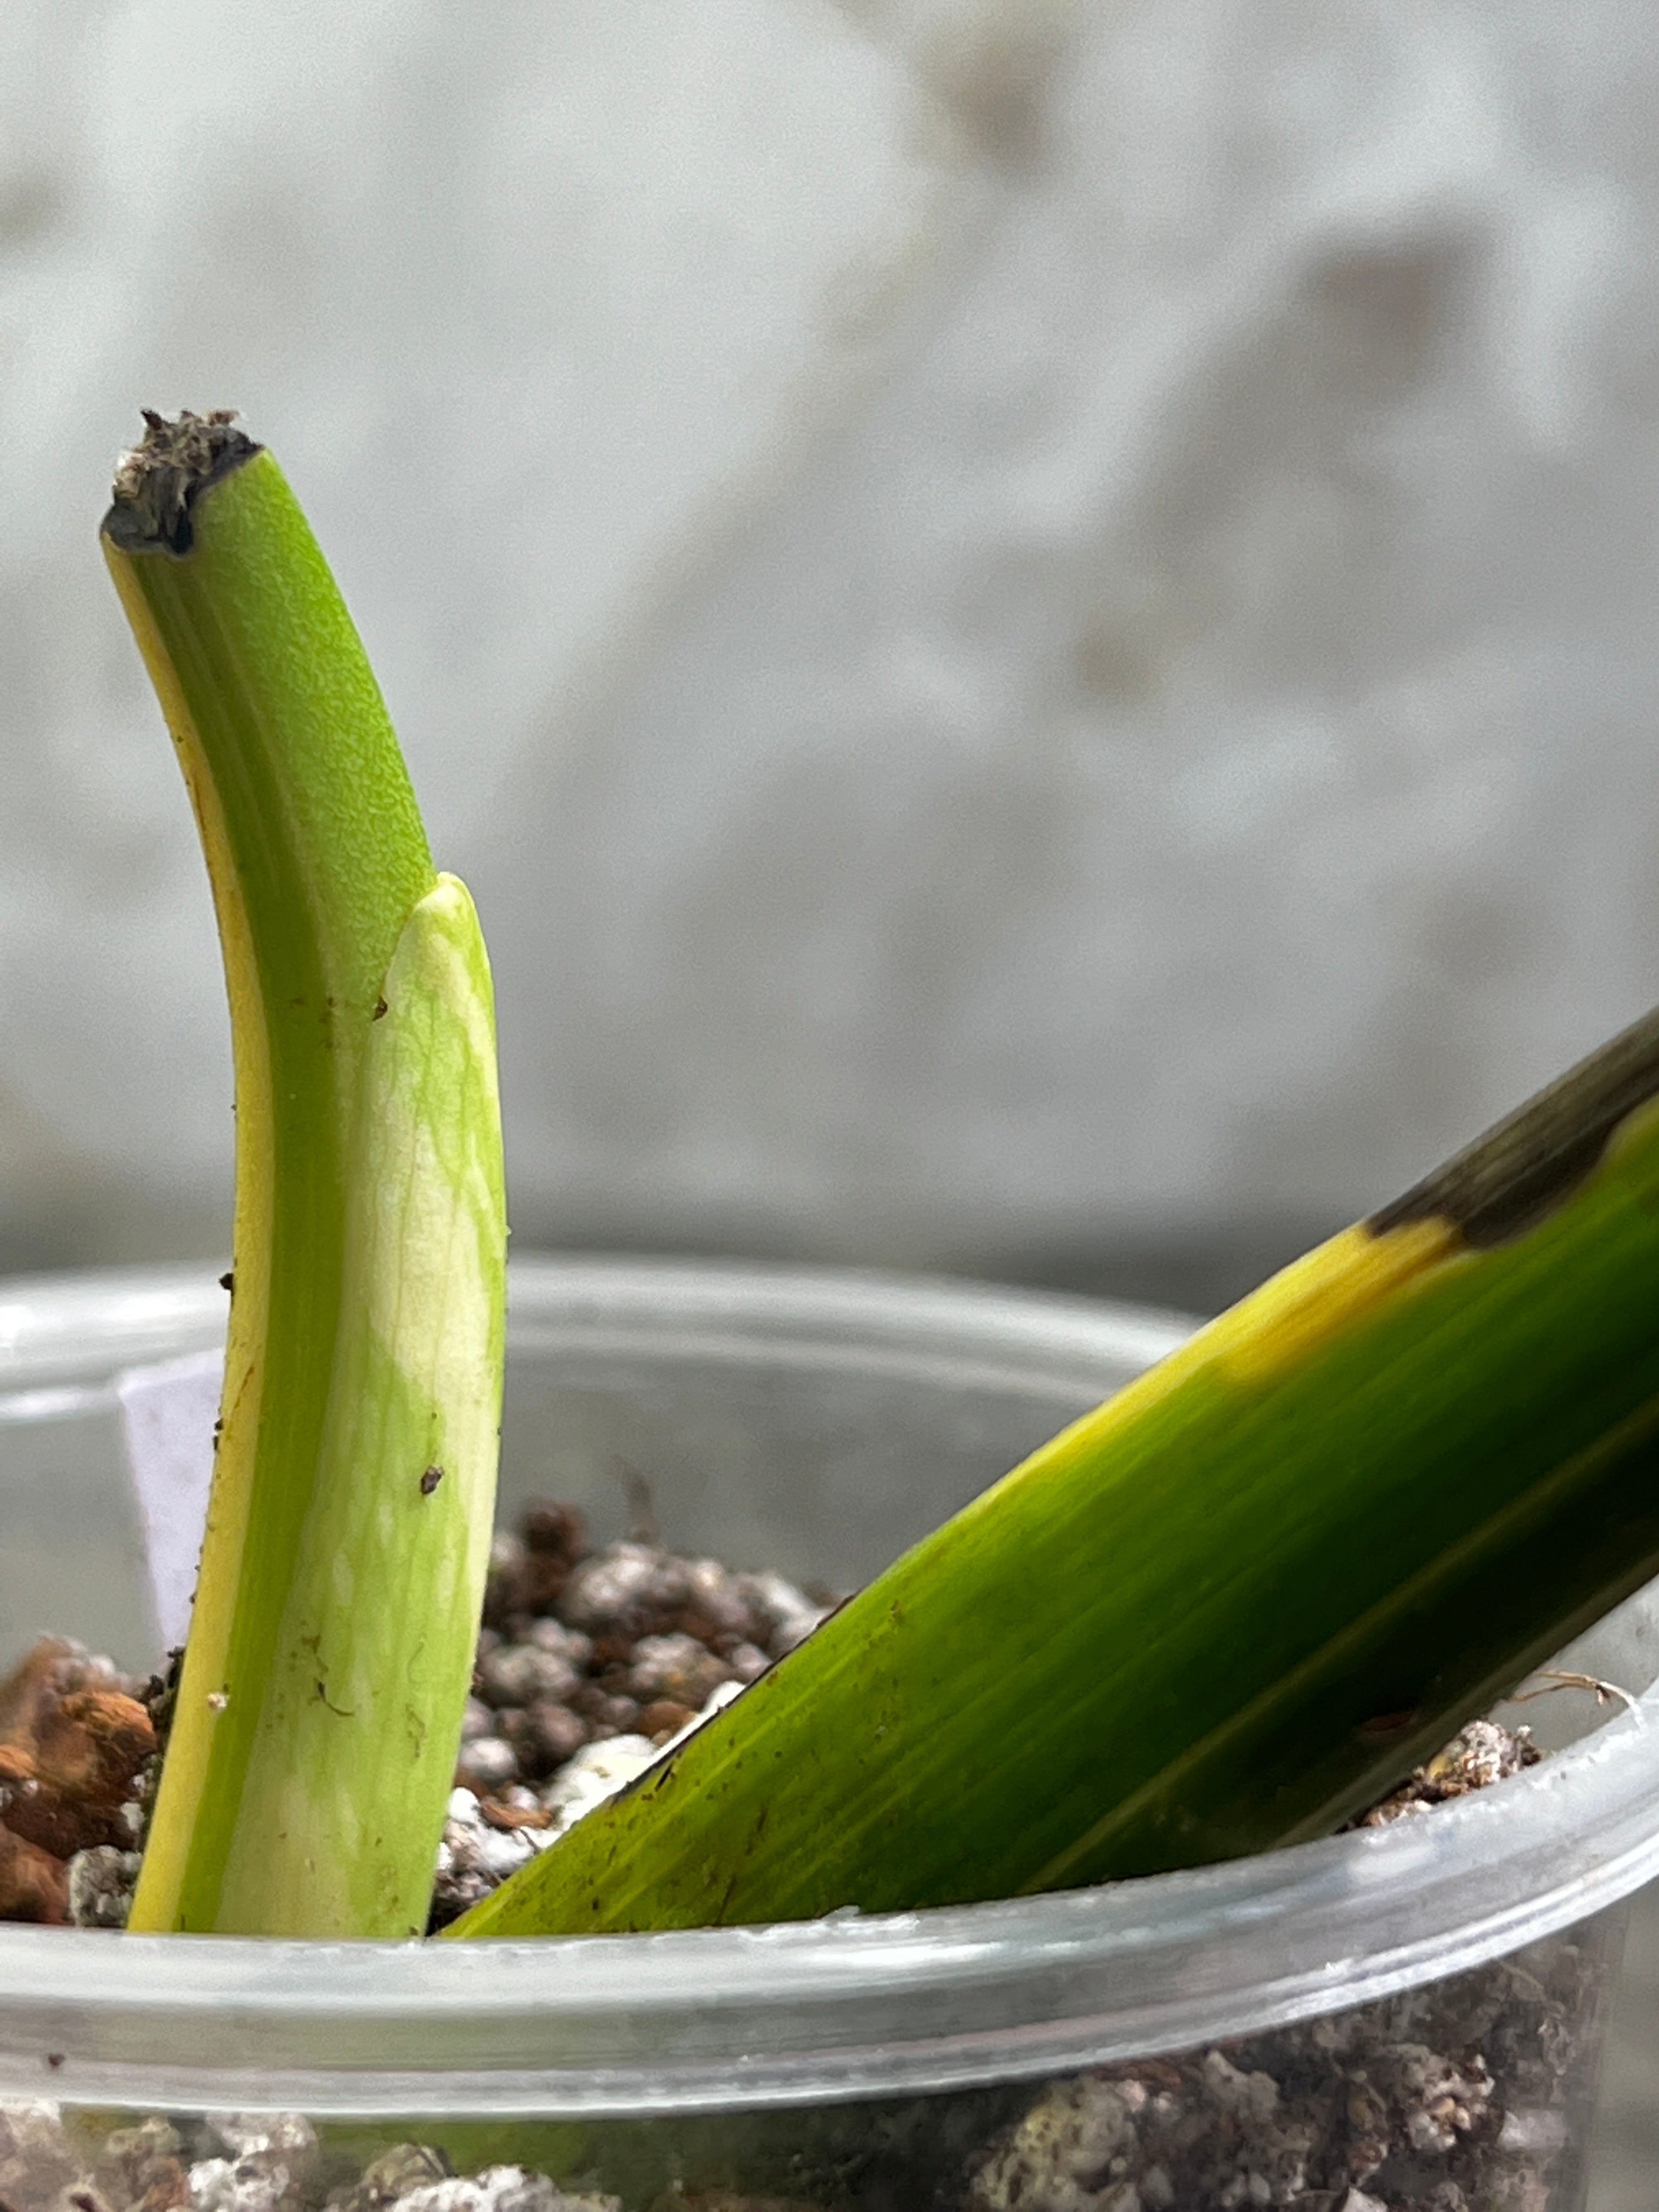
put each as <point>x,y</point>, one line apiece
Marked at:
<point>168,1413</point>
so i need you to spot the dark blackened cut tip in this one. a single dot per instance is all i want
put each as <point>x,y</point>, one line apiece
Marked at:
<point>1508,1180</point>
<point>158,483</point>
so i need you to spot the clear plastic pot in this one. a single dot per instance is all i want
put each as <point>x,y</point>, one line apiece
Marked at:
<point>1436,1983</point>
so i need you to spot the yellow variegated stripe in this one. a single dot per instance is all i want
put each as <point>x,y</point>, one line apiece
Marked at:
<point>1273,1329</point>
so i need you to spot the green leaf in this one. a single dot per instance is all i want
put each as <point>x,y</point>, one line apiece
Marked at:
<point>1231,1605</point>
<point>313,1746</point>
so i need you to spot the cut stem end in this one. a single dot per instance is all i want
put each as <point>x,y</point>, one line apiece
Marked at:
<point>158,483</point>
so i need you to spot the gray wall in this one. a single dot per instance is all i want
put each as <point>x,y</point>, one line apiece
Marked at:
<point>1032,621</point>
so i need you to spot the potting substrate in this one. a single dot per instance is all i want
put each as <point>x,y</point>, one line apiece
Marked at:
<point>1464,2096</point>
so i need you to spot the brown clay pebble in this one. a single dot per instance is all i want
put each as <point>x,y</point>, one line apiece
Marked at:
<point>72,1740</point>
<point>34,1885</point>
<point>665,1718</point>
<point>543,1738</point>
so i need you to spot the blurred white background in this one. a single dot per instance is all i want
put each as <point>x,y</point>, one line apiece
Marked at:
<point>1033,622</point>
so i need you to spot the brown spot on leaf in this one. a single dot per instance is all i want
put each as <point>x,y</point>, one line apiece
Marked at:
<point>1508,1180</point>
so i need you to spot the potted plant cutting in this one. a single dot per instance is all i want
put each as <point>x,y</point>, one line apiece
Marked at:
<point>1276,1572</point>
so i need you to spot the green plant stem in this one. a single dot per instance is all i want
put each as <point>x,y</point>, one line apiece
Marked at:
<point>330,1649</point>
<point>1232,1605</point>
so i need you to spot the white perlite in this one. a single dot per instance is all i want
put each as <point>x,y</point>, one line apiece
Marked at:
<point>37,2159</point>
<point>275,2163</point>
<point>600,1770</point>
<point>500,2189</point>
<point>274,2158</point>
<point>101,1880</point>
<point>476,1856</point>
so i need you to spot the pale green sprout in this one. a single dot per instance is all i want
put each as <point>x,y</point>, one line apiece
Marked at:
<point>313,1738</point>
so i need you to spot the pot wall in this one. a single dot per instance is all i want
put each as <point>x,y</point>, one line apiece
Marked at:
<point>1398,2013</point>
